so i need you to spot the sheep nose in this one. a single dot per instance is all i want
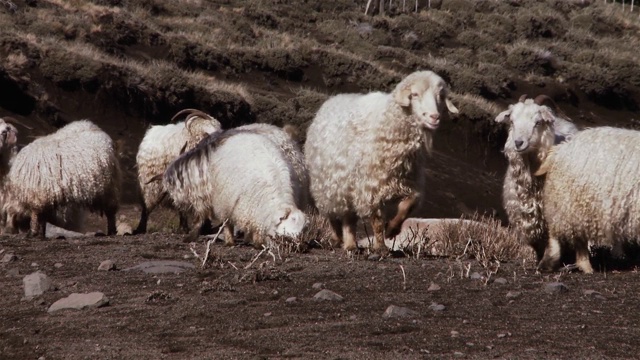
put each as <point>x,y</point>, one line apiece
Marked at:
<point>518,143</point>
<point>435,117</point>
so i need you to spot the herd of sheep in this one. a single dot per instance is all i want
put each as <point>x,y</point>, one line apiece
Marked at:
<point>364,158</point>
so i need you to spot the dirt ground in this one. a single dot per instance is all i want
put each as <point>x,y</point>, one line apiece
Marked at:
<point>239,306</point>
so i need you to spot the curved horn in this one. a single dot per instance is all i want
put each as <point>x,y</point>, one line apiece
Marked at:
<point>545,100</point>
<point>522,98</point>
<point>190,112</point>
<point>15,121</point>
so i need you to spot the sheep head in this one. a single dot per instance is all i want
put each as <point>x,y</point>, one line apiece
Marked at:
<point>290,222</point>
<point>426,94</point>
<point>198,123</point>
<point>8,135</point>
<point>530,126</point>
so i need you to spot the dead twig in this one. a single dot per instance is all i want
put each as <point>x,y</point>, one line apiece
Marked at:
<point>206,254</point>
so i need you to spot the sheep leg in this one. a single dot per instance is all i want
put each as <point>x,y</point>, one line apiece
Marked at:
<point>582,258</point>
<point>377,223</point>
<point>349,232</point>
<point>142,224</point>
<point>551,259</point>
<point>38,224</point>
<point>404,208</point>
<point>111,221</point>
<point>228,234</point>
<point>336,231</point>
<point>184,222</point>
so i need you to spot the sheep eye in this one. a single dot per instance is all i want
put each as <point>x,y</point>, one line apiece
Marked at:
<point>414,95</point>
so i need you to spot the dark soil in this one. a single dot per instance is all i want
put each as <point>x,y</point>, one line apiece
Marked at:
<point>128,64</point>
<point>236,307</point>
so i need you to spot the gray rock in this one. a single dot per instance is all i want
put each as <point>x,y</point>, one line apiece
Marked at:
<point>437,307</point>
<point>7,258</point>
<point>162,267</point>
<point>36,284</point>
<point>374,257</point>
<point>555,288</point>
<point>58,265</point>
<point>291,299</point>
<point>398,312</point>
<point>476,276</point>
<point>107,265</point>
<point>501,281</point>
<point>327,295</point>
<point>123,229</point>
<point>434,287</point>
<point>55,232</point>
<point>513,295</point>
<point>594,294</point>
<point>318,286</point>
<point>80,301</point>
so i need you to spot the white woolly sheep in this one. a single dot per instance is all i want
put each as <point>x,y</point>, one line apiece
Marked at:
<point>592,194</point>
<point>8,150</point>
<point>242,176</point>
<point>532,133</point>
<point>365,150</point>
<point>160,146</point>
<point>73,167</point>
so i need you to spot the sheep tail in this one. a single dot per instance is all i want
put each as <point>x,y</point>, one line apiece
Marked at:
<point>546,164</point>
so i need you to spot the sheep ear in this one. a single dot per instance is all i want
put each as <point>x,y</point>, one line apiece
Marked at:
<point>287,212</point>
<point>503,116</point>
<point>12,135</point>
<point>403,96</point>
<point>547,114</point>
<point>450,106</point>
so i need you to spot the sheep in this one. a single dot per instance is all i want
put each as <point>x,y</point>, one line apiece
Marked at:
<point>161,145</point>
<point>240,175</point>
<point>534,128</point>
<point>365,150</point>
<point>591,194</point>
<point>8,150</point>
<point>75,166</point>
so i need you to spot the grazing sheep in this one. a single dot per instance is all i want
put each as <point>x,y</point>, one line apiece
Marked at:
<point>160,146</point>
<point>365,150</point>
<point>242,176</point>
<point>8,150</point>
<point>592,194</point>
<point>532,133</point>
<point>75,166</point>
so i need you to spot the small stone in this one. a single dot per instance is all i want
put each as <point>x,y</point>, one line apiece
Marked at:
<point>353,317</point>
<point>107,265</point>
<point>594,294</point>
<point>398,312</point>
<point>437,307</point>
<point>503,335</point>
<point>434,287</point>
<point>318,286</point>
<point>80,301</point>
<point>555,288</point>
<point>327,295</point>
<point>476,276</point>
<point>36,284</point>
<point>291,299</point>
<point>500,280</point>
<point>470,344</point>
<point>162,267</point>
<point>123,229</point>
<point>513,294</point>
<point>267,314</point>
<point>34,264</point>
<point>454,334</point>
<point>458,353</point>
<point>374,257</point>
<point>57,265</point>
<point>7,258</point>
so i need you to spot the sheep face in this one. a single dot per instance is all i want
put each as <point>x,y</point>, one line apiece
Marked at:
<point>291,223</point>
<point>425,93</point>
<point>8,135</point>
<point>529,126</point>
